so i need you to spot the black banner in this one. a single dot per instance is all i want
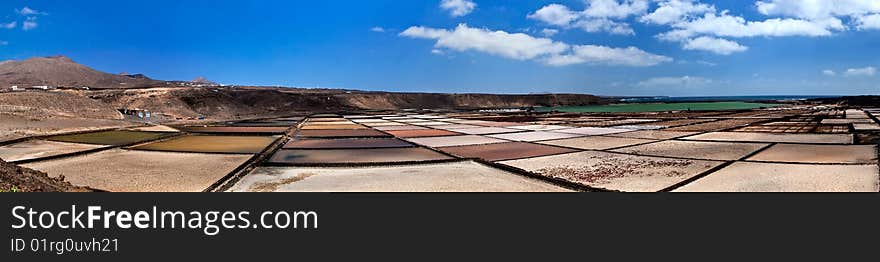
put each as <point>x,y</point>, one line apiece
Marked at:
<point>439,226</point>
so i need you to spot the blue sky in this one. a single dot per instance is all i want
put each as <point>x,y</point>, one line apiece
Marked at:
<point>604,47</point>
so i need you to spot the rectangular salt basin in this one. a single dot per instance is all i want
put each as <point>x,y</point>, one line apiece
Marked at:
<point>597,142</point>
<point>339,133</point>
<point>355,156</point>
<point>156,128</point>
<point>339,127</point>
<point>327,119</point>
<point>695,149</point>
<point>854,113</point>
<point>540,127</point>
<point>653,134</point>
<point>505,151</point>
<point>455,126</point>
<point>35,149</point>
<point>384,124</point>
<point>829,154</point>
<point>593,131</point>
<point>236,130</point>
<point>446,177</point>
<point>212,144</point>
<point>771,177</point>
<point>400,127</point>
<point>370,121</point>
<point>455,140</point>
<point>422,133</point>
<point>485,130</point>
<point>350,143</point>
<point>143,171</point>
<point>433,123</point>
<point>846,121</point>
<point>775,138</point>
<point>866,127</point>
<point>534,136</point>
<point>312,123</point>
<point>619,172</point>
<point>115,138</point>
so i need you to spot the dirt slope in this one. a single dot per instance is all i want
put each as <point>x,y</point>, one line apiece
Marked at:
<point>18,179</point>
<point>383,100</point>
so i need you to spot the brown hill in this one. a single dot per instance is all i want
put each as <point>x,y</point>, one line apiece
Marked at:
<point>386,100</point>
<point>60,71</point>
<point>19,179</point>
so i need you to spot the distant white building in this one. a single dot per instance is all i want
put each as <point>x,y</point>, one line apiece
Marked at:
<point>41,87</point>
<point>15,88</point>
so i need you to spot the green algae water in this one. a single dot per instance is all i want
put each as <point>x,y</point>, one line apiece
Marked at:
<point>658,107</point>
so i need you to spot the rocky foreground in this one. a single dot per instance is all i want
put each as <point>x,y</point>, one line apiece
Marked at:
<point>18,179</point>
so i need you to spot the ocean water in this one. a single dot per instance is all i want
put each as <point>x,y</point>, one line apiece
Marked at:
<point>665,99</point>
<point>659,107</point>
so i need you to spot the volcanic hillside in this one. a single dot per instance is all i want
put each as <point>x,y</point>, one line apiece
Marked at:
<point>60,71</point>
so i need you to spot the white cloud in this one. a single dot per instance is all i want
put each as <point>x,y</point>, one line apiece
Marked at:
<point>615,9</point>
<point>457,8</point>
<point>437,52</point>
<point>829,72</point>
<point>818,9</point>
<point>515,46</point>
<point>521,46</point>
<point>9,25</point>
<point>29,24</point>
<point>549,32</point>
<point>725,25</point>
<point>27,11</point>
<point>555,14</point>
<point>671,82</point>
<point>861,72</point>
<point>706,63</point>
<point>605,25</point>
<point>378,29</point>
<point>867,22</point>
<point>714,45</point>
<point>673,11</point>
<point>599,16</point>
<point>593,54</point>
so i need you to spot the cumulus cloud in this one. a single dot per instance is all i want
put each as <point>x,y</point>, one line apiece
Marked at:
<point>605,25</point>
<point>599,16</point>
<point>615,9</point>
<point>555,14</point>
<point>725,25</point>
<point>27,11</point>
<point>829,72</point>
<point>684,81</point>
<point>674,11</point>
<point>463,38</point>
<point>868,22</point>
<point>378,29</point>
<point>29,24</point>
<point>549,32</point>
<point>861,72</point>
<point>457,8</point>
<point>9,25</point>
<point>817,9</point>
<point>594,54</point>
<point>522,46</point>
<point>714,45</point>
